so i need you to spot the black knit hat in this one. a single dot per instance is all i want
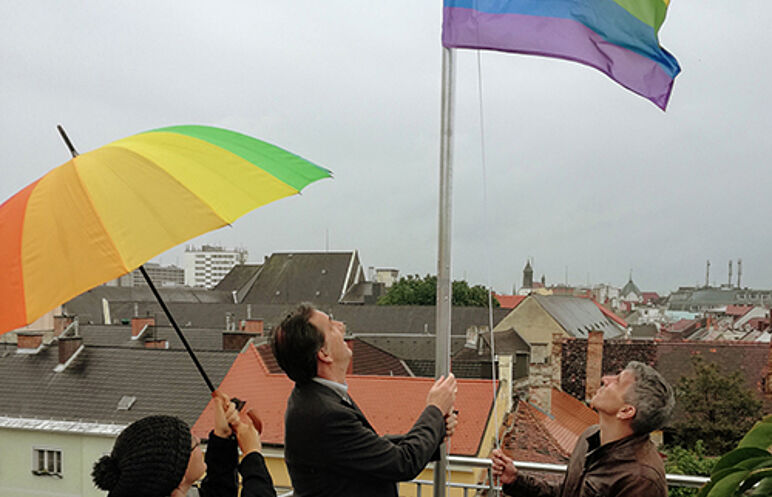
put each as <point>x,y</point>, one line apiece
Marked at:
<point>149,459</point>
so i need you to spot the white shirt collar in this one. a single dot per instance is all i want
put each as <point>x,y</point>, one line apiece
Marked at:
<point>339,388</point>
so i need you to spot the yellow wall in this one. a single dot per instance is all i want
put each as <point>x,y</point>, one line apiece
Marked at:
<point>533,323</point>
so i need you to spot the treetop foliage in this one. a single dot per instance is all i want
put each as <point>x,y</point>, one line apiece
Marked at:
<point>414,290</point>
<point>717,407</point>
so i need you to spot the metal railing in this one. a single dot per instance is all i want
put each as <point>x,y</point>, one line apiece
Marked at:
<point>673,480</point>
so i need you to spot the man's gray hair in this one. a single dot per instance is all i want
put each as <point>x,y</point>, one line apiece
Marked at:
<point>652,397</point>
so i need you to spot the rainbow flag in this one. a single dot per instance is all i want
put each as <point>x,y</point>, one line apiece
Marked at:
<point>617,37</point>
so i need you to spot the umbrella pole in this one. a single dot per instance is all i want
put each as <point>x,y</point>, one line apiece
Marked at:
<point>177,329</point>
<point>184,341</point>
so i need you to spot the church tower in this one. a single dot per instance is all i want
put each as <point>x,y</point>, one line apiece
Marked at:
<point>528,275</point>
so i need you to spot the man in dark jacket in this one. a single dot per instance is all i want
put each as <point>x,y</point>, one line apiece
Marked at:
<point>329,446</point>
<point>615,458</point>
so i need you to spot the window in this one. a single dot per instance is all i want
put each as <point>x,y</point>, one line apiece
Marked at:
<point>46,461</point>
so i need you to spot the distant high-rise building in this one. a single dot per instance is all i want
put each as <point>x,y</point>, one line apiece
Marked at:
<point>162,276</point>
<point>205,266</point>
<point>159,275</point>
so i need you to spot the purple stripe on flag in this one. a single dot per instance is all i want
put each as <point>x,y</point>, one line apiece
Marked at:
<point>561,38</point>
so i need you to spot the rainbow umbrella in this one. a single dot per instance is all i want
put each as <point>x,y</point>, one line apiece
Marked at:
<point>104,213</point>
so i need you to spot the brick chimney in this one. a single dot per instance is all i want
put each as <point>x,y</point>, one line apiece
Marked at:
<point>156,343</point>
<point>28,342</point>
<point>252,326</point>
<point>137,324</point>
<point>68,348</point>
<point>556,360</point>
<point>235,340</point>
<point>594,363</point>
<point>61,323</point>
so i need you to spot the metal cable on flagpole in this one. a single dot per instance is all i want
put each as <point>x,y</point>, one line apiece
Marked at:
<point>486,239</point>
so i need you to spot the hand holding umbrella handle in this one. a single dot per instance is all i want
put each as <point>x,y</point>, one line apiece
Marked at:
<point>256,421</point>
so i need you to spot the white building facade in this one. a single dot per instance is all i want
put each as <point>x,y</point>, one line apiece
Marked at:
<point>205,266</point>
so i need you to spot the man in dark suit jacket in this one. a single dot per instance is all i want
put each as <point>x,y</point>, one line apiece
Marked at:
<point>329,447</point>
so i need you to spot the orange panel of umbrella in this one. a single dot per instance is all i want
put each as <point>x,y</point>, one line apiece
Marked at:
<point>106,212</point>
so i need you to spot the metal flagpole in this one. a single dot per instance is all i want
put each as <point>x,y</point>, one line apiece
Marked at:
<point>444,289</point>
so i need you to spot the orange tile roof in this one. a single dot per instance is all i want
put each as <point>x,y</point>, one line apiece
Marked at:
<point>569,419</point>
<point>391,404</point>
<point>367,359</point>
<point>509,301</point>
<point>737,310</point>
<point>526,439</point>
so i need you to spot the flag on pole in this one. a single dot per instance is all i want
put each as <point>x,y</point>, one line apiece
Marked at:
<point>617,37</point>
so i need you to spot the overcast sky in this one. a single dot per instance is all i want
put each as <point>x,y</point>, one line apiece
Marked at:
<point>585,177</point>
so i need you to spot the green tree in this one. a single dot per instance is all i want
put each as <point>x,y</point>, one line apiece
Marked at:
<point>414,290</point>
<point>746,470</point>
<point>693,462</point>
<point>715,407</point>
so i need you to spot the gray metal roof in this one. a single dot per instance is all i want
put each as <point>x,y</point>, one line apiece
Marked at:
<point>690,298</point>
<point>88,305</point>
<point>237,277</point>
<point>89,389</point>
<point>630,287</point>
<point>120,336</point>
<point>289,278</point>
<point>358,318</point>
<point>578,316</point>
<point>410,346</point>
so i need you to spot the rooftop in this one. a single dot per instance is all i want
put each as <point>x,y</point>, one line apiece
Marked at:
<point>267,393</point>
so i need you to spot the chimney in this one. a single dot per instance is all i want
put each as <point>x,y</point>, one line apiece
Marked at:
<point>707,274</point>
<point>540,386</point>
<point>505,378</point>
<point>68,346</point>
<point>739,272</point>
<point>594,363</point>
<point>254,326</point>
<point>28,342</point>
<point>61,323</point>
<point>557,360</point>
<point>729,284</point>
<point>156,343</point>
<point>235,340</point>
<point>138,324</point>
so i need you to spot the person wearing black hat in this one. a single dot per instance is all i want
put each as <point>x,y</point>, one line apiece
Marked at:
<point>157,456</point>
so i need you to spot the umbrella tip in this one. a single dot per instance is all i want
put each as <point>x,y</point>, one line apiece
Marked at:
<point>67,141</point>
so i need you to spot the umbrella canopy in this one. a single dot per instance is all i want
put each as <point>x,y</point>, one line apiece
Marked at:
<point>104,213</point>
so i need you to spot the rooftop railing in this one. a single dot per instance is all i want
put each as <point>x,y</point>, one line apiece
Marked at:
<point>673,480</point>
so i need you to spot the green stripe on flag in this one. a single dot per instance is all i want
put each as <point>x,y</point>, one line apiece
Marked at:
<point>292,169</point>
<point>651,12</point>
